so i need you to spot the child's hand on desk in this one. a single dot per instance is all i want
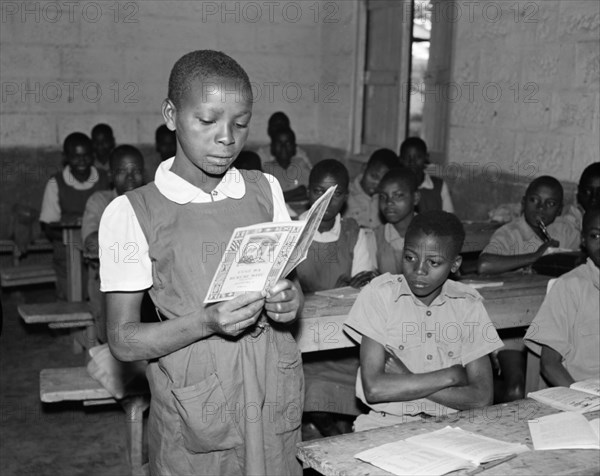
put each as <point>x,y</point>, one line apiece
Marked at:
<point>231,318</point>
<point>393,364</point>
<point>547,244</point>
<point>282,301</point>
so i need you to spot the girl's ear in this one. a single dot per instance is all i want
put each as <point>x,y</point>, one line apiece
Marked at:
<point>169,112</point>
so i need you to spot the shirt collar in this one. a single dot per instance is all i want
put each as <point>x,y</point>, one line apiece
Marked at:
<point>180,191</point>
<point>391,234</point>
<point>526,231</point>
<point>70,179</point>
<point>330,235</point>
<point>594,272</point>
<point>427,182</point>
<point>450,290</point>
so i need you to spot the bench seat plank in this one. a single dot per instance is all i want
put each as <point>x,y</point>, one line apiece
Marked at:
<point>70,384</point>
<point>56,312</point>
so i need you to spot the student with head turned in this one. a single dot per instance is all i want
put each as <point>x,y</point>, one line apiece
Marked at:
<point>166,142</point>
<point>209,363</point>
<point>398,197</point>
<point>567,324</point>
<point>523,241</point>
<point>277,122</point>
<point>338,256</point>
<point>363,200</point>
<point>103,141</point>
<point>588,195</point>
<point>410,361</point>
<point>65,197</point>
<point>127,173</point>
<point>291,171</point>
<point>435,194</point>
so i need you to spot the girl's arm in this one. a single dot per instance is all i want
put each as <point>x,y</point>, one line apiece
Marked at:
<point>129,339</point>
<point>380,386</point>
<point>553,370</point>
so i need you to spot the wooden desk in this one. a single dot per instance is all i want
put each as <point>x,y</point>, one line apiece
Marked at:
<point>512,305</point>
<point>334,456</point>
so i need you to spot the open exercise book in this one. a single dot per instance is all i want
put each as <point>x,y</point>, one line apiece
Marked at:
<point>257,256</point>
<point>439,452</point>
<point>565,430</point>
<point>582,397</point>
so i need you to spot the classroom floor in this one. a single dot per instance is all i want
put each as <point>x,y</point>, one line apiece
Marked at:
<point>58,439</point>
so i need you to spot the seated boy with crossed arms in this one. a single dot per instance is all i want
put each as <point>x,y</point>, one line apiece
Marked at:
<point>424,339</point>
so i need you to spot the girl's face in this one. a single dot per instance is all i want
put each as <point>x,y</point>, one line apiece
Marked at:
<point>80,159</point>
<point>590,238</point>
<point>318,188</point>
<point>212,125</point>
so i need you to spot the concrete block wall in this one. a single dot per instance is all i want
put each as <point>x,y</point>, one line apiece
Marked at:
<point>66,66</point>
<point>524,93</point>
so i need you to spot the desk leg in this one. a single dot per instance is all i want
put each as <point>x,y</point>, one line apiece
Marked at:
<point>74,284</point>
<point>134,409</point>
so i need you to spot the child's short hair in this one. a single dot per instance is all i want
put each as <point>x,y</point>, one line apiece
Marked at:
<point>588,218</point>
<point>203,65</point>
<point>74,139</point>
<point>121,151</point>
<point>247,160</point>
<point>331,167</point>
<point>162,131</point>
<point>278,120</point>
<point>441,224</point>
<point>591,171</point>
<point>545,180</point>
<point>413,143</point>
<point>102,129</point>
<point>401,174</point>
<point>385,157</point>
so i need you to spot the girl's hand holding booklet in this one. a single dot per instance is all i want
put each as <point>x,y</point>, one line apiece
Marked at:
<point>257,256</point>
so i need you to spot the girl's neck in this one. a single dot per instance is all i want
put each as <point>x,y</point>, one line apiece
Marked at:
<point>327,225</point>
<point>197,177</point>
<point>81,176</point>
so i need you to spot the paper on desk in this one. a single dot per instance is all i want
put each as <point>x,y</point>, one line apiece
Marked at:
<point>565,430</point>
<point>339,293</point>
<point>477,284</point>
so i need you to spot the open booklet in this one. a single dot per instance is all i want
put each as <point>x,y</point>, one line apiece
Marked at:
<point>565,430</point>
<point>439,452</point>
<point>580,397</point>
<point>257,256</point>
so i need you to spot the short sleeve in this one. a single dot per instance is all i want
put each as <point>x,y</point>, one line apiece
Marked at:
<point>552,325</point>
<point>50,207</point>
<point>500,242</point>
<point>280,211</point>
<point>480,337</point>
<point>367,316</point>
<point>124,257</point>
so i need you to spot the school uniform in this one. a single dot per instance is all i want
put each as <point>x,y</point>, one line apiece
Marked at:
<point>220,405</point>
<point>454,329</point>
<point>574,216</point>
<point>435,195</point>
<point>362,207</point>
<point>329,377</point>
<point>64,199</point>
<point>518,238</point>
<point>296,174</point>
<point>390,247</point>
<point>568,321</point>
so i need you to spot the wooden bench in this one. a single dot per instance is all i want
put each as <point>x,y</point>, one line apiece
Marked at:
<point>75,384</point>
<point>24,275</point>
<point>63,315</point>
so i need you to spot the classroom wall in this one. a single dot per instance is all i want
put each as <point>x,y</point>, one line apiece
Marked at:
<point>524,96</point>
<point>66,66</point>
